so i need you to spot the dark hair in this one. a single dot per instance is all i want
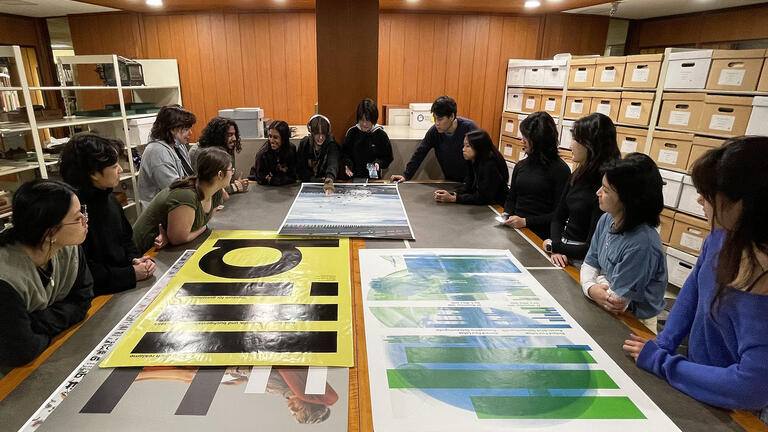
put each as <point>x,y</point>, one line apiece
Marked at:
<point>210,162</point>
<point>284,131</point>
<point>737,171</point>
<point>638,183</point>
<point>319,125</point>
<point>597,133</point>
<point>484,148</point>
<point>444,106</point>
<point>215,134</point>
<point>86,154</point>
<point>39,206</point>
<point>367,108</point>
<point>171,117</point>
<point>541,132</point>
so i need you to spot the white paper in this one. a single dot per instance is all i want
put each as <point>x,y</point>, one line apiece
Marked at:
<point>604,108</point>
<point>522,155</point>
<point>731,77</point>
<point>628,146</point>
<point>577,107</point>
<point>257,381</point>
<point>316,378</point>
<point>530,103</point>
<point>509,126</point>
<point>722,122</point>
<point>633,111</point>
<point>691,241</point>
<point>680,273</point>
<point>608,75</point>
<point>679,118</point>
<point>668,157</point>
<point>580,76</point>
<point>641,75</point>
<point>508,151</point>
<point>549,105</point>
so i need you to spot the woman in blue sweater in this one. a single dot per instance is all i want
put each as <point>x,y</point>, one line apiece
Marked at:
<point>723,304</point>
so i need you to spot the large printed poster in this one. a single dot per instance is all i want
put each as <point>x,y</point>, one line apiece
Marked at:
<point>249,298</point>
<point>353,210</point>
<point>464,339</point>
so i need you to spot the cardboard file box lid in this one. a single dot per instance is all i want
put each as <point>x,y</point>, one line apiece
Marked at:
<point>728,100</point>
<point>605,95</point>
<point>707,142</point>
<point>552,93</point>
<point>693,221</point>
<point>696,97</point>
<point>530,92</point>
<point>679,136</point>
<point>579,94</point>
<point>631,131</point>
<point>691,55</point>
<point>668,213</point>
<point>738,54</point>
<point>682,256</point>
<point>610,60</point>
<point>761,101</point>
<point>671,176</point>
<point>637,95</point>
<point>645,58</point>
<point>583,61</point>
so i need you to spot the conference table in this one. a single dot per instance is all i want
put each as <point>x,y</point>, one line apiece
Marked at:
<point>434,225</point>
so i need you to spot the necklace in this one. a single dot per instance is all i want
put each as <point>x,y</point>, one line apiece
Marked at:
<point>48,275</point>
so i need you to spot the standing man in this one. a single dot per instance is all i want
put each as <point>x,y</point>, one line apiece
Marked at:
<point>447,138</point>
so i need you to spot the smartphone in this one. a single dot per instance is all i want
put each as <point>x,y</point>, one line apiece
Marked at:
<point>500,219</point>
<point>372,173</point>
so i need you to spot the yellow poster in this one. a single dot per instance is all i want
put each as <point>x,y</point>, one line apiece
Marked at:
<point>249,298</point>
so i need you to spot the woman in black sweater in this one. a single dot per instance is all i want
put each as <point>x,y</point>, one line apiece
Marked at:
<point>576,216</point>
<point>89,163</point>
<point>366,144</point>
<point>539,179</point>
<point>276,161</point>
<point>487,175</point>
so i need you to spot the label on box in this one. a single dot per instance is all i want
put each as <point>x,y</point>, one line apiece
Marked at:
<point>530,103</point>
<point>509,127</point>
<point>691,241</point>
<point>577,107</point>
<point>722,122</point>
<point>604,108</point>
<point>519,133</point>
<point>580,76</point>
<point>668,157</point>
<point>522,155</point>
<point>608,75</point>
<point>633,111</point>
<point>507,151</point>
<point>549,105</point>
<point>641,75</point>
<point>628,146</point>
<point>680,274</point>
<point>731,77</point>
<point>679,118</point>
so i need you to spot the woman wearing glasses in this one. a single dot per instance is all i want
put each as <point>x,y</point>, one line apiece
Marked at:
<point>45,284</point>
<point>180,212</point>
<point>89,163</point>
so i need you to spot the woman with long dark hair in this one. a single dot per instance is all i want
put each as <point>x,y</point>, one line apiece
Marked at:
<point>577,213</point>
<point>539,179</point>
<point>487,175</point>
<point>180,212</point>
<point>222,133</point>
<point>166,157</point>
<point>45,284</point>
<point>723,304</point>
<point>276,160</point>
<point>89,163</point>
<point>626,267</point>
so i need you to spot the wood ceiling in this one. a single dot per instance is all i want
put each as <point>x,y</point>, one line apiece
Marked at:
<point>484,6</point>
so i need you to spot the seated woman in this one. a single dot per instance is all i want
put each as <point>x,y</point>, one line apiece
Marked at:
<point>166,157</point>
<point>539,179</point>
<point>180,212</point>
<point>89,163</point>
<point>223,133</point>
<point>577,212</point>
<point>317,159</point>
<point>487,173</point>
<point>276,160</point>
<point>626,266</point>
<point>367,150</point>
<point>45,284</point>
<point>723,303</point>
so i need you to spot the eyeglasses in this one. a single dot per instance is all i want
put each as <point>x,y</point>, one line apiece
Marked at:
<point>82,219</point>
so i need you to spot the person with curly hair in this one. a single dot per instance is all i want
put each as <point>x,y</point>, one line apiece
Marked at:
<point>223,133</point>
<point>89,163</point>
<point>276,160</point>
<point>166,157</point>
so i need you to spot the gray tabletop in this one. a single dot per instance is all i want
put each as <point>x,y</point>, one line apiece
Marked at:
<point>434,225</point>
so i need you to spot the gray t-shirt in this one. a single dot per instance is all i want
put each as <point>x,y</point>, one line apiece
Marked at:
<point>160,166</point>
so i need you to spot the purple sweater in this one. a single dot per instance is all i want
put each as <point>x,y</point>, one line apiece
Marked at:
<point>727,362</point>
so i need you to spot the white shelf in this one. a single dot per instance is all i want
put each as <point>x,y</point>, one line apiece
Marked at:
<point>717,92</point>
<point>705,134</point>
<point>127,176</point>
<point>538,87</point>
<point>129,204</point>
<point>76,121</point>
<point>6,214</point>
<point>631,125</point>
<point>613,89</point>
<point>9,89</point>
<point>13,167</point>
<point>102,87</point>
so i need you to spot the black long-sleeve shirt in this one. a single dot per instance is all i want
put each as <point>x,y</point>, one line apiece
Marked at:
<point>23,334</point>
<point>576,217</point>
<point>317,166</point>
<point>280,165</point>
<point>484,184</point>
<point>535,192</point>
<point>108,246</point>
<point>361,148</point>
<point>447,150</point>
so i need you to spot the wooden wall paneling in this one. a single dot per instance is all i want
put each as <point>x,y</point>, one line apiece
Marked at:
<point>426,46</point>
<point>246,23</point>
<point>262,72</point>
<point>440,51</point>
<point>308,61</point>
<point>453,53</point>
<point>222,53</point>
<point>396,59</point>
<point>384,50</point>
<point>276,62</point>
<point>234,59</point>
<point>479,68</point>
<point>412,57</point>
<point>464,64</point>
<point>495,67</point>
<point>194,93</point>
<point>292,67</point>
<point>574,33</point>
<point>208,65</point>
